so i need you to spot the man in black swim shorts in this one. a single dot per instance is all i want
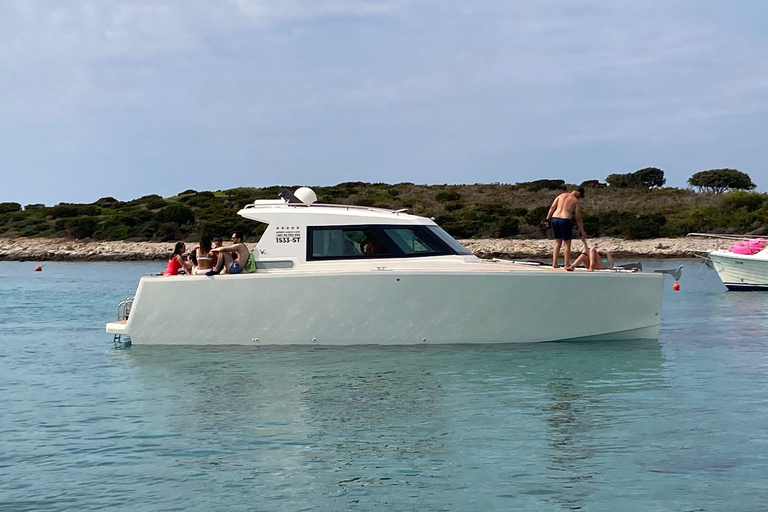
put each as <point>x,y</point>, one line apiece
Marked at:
<point>560,218</point>
<point>561,228</point>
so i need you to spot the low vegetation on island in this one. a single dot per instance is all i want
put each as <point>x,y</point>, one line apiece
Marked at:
<point>633,206</point>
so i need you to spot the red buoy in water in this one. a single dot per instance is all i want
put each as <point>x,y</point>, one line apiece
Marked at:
<point>38,268</point>
<point>676,286</point>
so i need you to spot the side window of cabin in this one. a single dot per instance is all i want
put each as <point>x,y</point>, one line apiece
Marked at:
<point>345,243</point>
<point>410,242</point>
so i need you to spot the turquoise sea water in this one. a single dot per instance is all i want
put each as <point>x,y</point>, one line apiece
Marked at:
<point>675,424</point>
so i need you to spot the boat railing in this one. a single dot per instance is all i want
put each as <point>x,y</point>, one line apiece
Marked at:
<point>124,309</point>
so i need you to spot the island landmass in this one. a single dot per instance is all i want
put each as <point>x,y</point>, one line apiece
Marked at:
<point>631,214</point>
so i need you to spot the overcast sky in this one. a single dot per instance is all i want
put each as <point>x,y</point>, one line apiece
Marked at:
<point>106,98</point>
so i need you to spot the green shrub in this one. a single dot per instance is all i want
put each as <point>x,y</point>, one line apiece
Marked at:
<point>112,232</point>
<point>155,203</point>
<point>168,232</point>
<point>63,210</point>
<point>453,206</point>
<point>143,200</point>
<point>201,199</point>
<point>10,207</point>
<point>642,226</point>
<point>108,202</point>
<point>78,227</point>
<point>741,199</point>
<point>537,215</point>
<point>592,184</point>
<point>591,224</point>
<point>535,186</point>
<point>177,214</point>
<point>445,196</point>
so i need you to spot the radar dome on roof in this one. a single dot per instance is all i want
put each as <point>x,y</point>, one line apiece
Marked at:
<point>306,195</point>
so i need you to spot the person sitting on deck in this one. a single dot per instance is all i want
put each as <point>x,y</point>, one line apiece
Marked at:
<point>214,255</point>
<point>204,256</point>
<point>177,261</point>
<point>232,259</point>
<point>594,259</point>
<point>192,259</point>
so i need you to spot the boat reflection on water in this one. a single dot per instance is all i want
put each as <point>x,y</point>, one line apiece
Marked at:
<point>509,424</point>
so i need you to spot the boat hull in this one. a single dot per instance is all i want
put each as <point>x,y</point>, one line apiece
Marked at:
<point>394,308</point>
<point>740,272</point>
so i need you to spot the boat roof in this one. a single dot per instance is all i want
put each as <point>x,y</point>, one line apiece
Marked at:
<point>279,210</point>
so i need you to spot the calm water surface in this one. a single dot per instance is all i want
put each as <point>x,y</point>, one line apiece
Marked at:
<point>675,424</point>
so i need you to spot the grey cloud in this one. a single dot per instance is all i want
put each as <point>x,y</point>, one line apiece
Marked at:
<point>321,91</point>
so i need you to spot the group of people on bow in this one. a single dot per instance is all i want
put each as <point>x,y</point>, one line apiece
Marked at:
<point>211,257</point>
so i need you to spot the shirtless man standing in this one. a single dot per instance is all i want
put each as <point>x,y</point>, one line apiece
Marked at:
<point>236,253</point>
<point>560,219</point>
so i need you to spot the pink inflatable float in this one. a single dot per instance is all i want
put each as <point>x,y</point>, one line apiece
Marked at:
<point>748,246</point>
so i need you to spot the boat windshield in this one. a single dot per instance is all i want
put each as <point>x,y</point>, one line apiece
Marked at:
<point>448,239</point>
<point>380,241</point>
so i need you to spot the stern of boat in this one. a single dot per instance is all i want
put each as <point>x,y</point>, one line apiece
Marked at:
<point>119,327</point>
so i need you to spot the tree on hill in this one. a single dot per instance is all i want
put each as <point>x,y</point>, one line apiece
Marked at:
<point>720,180</point>
<point>649,177</point>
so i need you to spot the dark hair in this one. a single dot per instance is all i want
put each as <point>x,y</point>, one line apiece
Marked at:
<point>580,190</point>
<point>205,243</point>
<point>238,234</point>
<point>217,239</point>
<point>193,258</point>
<point>177,249</point>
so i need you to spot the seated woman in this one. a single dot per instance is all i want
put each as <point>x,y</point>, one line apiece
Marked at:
<point>204,256</point>
<point>593,259</point>
<point>177,261</point>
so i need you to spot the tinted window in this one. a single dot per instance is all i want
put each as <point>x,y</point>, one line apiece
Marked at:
<point>379,241</point>
<point>448,239</point>
<point>409,241</point>
<point>345,243</point>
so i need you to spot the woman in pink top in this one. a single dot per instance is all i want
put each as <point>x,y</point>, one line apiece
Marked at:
<point>177,262</point>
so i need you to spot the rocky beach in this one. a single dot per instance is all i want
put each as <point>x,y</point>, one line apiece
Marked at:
<point>60,249</point>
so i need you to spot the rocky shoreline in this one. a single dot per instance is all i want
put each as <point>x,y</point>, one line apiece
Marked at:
<point>59,249</point>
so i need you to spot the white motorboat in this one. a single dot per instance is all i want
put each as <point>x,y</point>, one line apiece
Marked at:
<point>741,267</point>
<point>349,275</point>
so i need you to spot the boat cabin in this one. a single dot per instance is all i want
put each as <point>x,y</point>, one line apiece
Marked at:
<point>302,232</point>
